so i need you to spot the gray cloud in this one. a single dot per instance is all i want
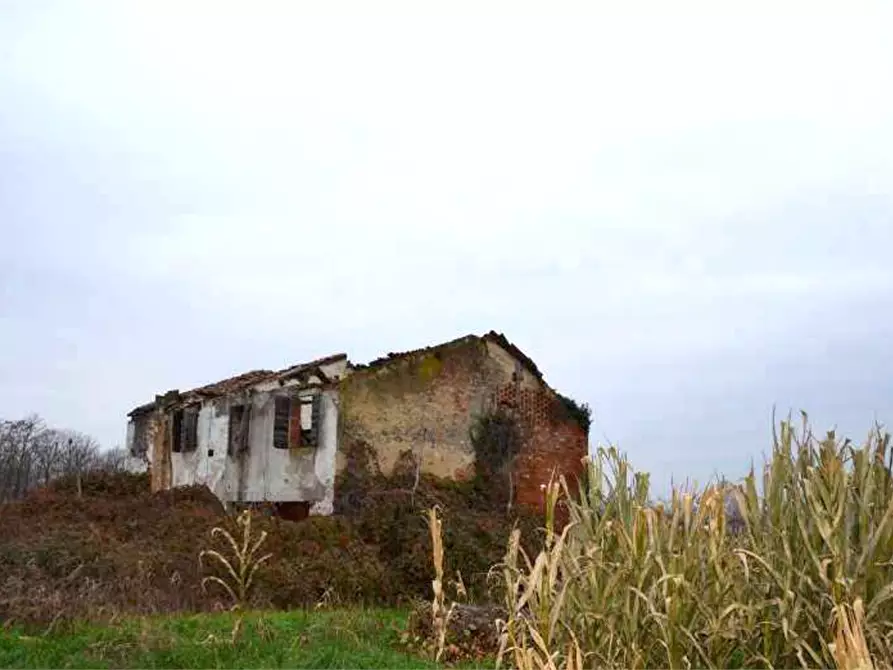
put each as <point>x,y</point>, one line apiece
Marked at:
<point>682,229</point>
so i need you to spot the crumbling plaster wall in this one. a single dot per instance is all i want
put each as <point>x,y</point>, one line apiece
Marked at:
<point>422,403</point>
<point>282,475</point>
<point>426,403</point>
<point>263,473</point>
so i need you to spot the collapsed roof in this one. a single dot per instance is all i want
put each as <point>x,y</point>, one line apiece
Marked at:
<point>246,380</point>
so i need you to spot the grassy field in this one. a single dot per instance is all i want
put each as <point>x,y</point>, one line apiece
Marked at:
<point>354,638</point>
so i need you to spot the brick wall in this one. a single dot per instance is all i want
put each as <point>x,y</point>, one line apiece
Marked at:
<point>561,447</point>
<point>552,441</point>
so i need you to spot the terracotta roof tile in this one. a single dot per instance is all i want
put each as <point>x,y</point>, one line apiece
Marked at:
<point>232,384</point>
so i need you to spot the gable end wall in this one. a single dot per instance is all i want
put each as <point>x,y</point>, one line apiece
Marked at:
<point>425,404</point>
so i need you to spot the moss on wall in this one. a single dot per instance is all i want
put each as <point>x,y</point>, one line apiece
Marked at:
<point>423,401</point>
<point>429,367</point>
<point>568,408</point>
<point>412,373</point>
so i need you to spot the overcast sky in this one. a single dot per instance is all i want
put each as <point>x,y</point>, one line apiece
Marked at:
<point>683,219</point>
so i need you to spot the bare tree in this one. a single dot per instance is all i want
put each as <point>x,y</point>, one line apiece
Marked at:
<point>16,459</point>
<point>113,460</point>
<point>32,454</point>
<point>47,451</point>
<point>79,452</point>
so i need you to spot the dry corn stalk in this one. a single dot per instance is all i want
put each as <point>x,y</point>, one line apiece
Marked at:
<point>461,591</point>
<point>236,632</point>
<point>536,592</point>
<point>849,647</point>
<point>242,566</point>
<point>741,575</point>
<point>440,614</point>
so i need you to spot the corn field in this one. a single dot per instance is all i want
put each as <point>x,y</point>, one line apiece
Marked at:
<point>803,578</point>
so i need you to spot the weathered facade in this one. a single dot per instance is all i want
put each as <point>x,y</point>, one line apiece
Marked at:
<point>261,436</point>
<point>282,436</point>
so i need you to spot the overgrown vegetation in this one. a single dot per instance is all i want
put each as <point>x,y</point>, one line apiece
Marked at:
<point>64,557</point>
<point>581,413</point>
<point>497,440</point>
<point>631,584</point>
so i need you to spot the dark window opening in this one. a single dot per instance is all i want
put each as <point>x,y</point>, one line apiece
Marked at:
<point>177,431</point>
<point>281,422</point>
<point>239,421</point>
<point>210,452</point>
<point>189,430</point>
<point>184,430</point>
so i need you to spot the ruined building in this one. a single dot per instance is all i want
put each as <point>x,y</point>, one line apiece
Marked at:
<point>282,436</point>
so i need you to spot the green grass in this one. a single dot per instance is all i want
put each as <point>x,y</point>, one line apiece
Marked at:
<point>354,638</point>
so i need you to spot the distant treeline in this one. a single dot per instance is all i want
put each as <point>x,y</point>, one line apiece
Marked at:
<point>32,454</point>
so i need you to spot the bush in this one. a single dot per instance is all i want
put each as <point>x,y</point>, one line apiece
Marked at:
<point>98,483</point>
<point>118,549</point>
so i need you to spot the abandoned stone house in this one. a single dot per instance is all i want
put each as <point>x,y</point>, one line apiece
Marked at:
<point>281,436</point>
